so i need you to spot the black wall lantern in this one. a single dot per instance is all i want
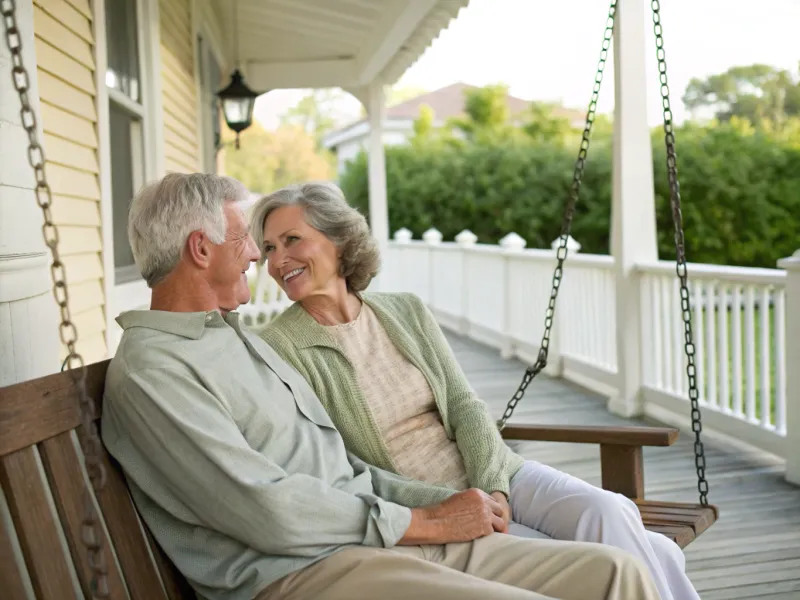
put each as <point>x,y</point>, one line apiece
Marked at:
<point>238,102</point>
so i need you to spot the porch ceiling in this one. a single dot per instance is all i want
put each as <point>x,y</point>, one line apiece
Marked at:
<point>325,43</point>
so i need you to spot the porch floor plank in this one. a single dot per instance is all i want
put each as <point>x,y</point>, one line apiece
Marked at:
<point>752,551</point>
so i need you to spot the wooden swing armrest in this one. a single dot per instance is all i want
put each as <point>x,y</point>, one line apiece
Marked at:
<point>621,461</point>
<point>588,434</point>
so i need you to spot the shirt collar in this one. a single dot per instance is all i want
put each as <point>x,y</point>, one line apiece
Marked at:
<point>187,324</point>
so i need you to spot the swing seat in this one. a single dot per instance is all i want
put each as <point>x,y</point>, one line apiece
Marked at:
<point>622,471</point>
<point>40,419</point>
<point>40,459</point>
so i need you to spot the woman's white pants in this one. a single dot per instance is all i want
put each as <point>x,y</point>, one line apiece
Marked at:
<point>564,507</point>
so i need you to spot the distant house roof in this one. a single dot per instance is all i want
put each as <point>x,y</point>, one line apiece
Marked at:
<point>446,103</point>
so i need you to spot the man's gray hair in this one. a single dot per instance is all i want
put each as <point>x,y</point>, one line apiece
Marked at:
<point>327,211</point>
<point>165,212</point>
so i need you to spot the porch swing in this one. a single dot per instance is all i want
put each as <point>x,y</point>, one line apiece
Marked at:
<point>621,448</point>
<point>42,415</point>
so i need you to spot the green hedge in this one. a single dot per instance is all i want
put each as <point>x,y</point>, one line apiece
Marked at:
<point>740,193</point>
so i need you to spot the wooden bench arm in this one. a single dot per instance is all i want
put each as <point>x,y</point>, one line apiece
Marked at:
<point>621,461</point>
<point>583,434</point>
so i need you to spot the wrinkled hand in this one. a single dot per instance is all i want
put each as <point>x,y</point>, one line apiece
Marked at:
<point>500,498</point>
<point>463,517</point>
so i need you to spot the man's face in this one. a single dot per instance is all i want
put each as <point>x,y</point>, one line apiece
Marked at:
<point>230,260</point>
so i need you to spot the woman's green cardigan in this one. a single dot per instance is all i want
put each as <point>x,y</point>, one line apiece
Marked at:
<point>311,349</point>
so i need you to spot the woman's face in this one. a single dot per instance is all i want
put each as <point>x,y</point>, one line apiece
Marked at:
<point>301,259</point>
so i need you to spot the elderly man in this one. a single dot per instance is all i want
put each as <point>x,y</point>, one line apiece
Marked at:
<point>240,474</point>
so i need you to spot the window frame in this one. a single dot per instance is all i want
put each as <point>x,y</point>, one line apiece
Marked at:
<point>124,287</point>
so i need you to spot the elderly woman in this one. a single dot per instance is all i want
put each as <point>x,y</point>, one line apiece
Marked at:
<point>382,368</point>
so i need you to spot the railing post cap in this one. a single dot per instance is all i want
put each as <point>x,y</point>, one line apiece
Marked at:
<point>572,244</point>
<point>432,236</point>
<point>791,263</point>
<point>513,241</point>
<point>403,235</point>
<point>466,238</point>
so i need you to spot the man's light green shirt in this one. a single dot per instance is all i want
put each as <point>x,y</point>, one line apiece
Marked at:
<point>232,461</point>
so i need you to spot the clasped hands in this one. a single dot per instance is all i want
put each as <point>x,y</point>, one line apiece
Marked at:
<point>463,517</point>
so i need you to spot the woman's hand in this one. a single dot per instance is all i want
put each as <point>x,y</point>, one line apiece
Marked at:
<point>500,498</point>
<point>463,517</point>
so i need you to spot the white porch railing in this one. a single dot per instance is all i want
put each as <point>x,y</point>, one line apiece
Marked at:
<point>498,295</point>
<point>267,299</point>
<point>738,318</point>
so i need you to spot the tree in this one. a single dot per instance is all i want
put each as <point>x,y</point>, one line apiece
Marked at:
<point>269,160</point>
<point>740,191</point>
<point>315,113</point>
<point>423,124</point>
<point>486,112</point>
<point>758,93</point>
<point>542,125</point>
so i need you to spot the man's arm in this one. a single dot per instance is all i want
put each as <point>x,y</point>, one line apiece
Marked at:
<point>439,515</point>
<point>399,489</point>
<point>191,447</point>
<point>463,517</point>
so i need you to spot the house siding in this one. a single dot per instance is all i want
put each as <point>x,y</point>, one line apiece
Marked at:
<point>179,87</point>
<point>64,40</point>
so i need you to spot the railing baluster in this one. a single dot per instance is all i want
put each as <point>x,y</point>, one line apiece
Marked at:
<point>722,338</point>
<point>608,299</point>
<point>645,335</point>
<point>582,322</point>
<point>655,328</point>
<point>699,337</point>
<point>711,343</point>
<point>602,320</point>
<point>780,361</point>
<point>750,353</point>
<point>676,328</point>
<point>590,316</point>
<point>764,346</point>
<point>736,343</point>
<point>666,331</point>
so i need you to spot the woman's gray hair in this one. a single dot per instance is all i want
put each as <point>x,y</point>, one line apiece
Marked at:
<point>327,211</point>
<point>165,212</point>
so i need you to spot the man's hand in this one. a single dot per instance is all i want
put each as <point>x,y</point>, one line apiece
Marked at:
<point>463,517</point>
<point>500,498</point>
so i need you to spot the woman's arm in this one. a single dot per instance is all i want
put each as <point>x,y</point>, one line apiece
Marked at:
<point>485,454</point>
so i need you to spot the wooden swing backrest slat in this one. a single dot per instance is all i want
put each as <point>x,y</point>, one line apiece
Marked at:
<point>44,486</point>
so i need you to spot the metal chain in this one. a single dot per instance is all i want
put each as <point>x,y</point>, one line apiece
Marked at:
<point>92,447</point>
<point>680,250</point>
<point>561,254</point>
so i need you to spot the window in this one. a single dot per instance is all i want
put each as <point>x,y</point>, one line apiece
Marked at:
<point>210,83</point>
<point>126,125</point>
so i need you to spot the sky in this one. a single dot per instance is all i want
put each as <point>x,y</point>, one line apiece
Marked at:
<point>548,50</point>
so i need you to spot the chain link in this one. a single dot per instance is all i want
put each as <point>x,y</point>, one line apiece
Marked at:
<point>680,250</point>
<point>675,202</point>
<point>569,211</point>
<point>92,446</point>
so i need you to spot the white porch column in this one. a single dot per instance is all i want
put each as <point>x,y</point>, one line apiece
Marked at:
<point>633,221</point>
<point>378,210</point>
<point>792,337</point>
<point>28,318</point>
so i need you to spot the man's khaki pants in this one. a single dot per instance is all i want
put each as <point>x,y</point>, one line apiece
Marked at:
<point>496,567</point>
